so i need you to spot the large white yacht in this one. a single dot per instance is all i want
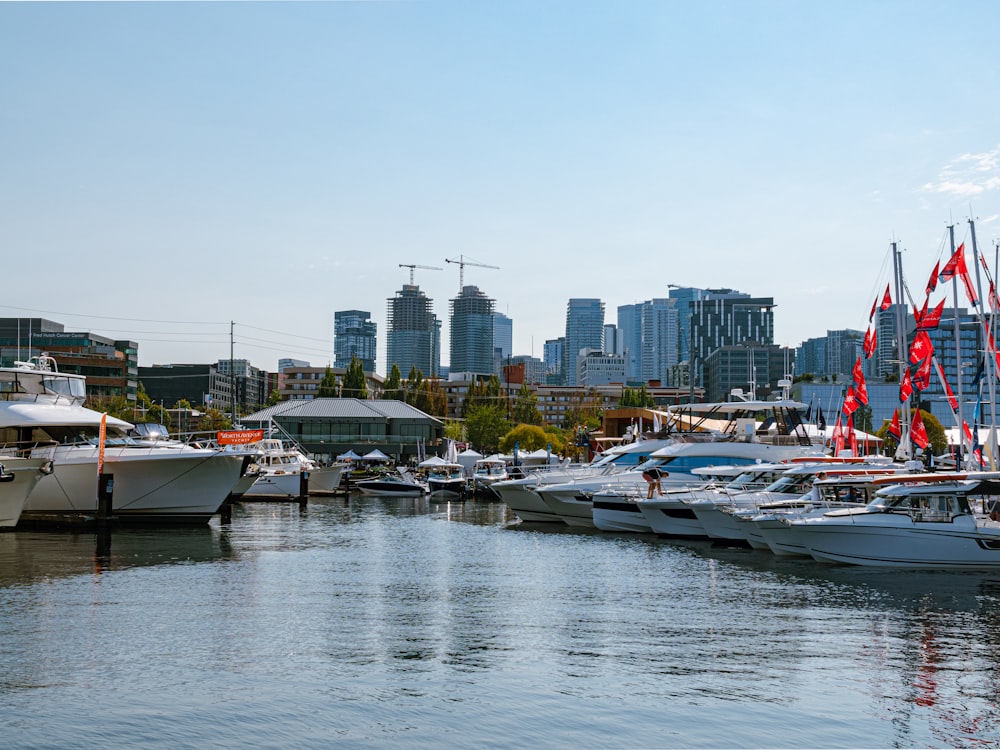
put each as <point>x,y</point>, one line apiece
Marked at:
<point>18,477</point>
<point>280,469</point>
<point>917,521</point>
<point>152,482</point>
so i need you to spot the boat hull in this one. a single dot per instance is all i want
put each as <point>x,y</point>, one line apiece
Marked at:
<point>25,474</point>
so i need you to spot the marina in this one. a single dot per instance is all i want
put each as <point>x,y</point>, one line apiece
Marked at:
<point>366,621</point>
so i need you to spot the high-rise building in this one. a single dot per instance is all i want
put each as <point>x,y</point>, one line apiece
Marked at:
<point>414,336</point>
<point>354,336</point>
<point>659,340</point>
<point>503,340</point>
<point>552,356</point>
<point>584,331</point>
<point>472,319</point>
<point>725,317</point>
<point>630,339</point>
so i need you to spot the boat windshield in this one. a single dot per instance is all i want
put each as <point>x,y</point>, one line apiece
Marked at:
<point>792,483</point>
<point>928,505</point>
<point>65,386</point>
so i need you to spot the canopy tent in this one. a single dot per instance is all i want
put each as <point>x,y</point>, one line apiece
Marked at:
<point>432,462</point>
<point>375,455</point>
<point>349,456</point>
<point>467,459</point>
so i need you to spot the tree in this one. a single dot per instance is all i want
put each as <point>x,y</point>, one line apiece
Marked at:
<point>454,431</point>
<point>485,425</point>
<point>328,385</point>
<point>863,418</point>
<point>392,388</point>
<point>215,420</point>
<point>935,434</point>
<point>526,407</point>
<point>431,398</point>
<point>115,406</point>
<point>413,381</point>
<point>274,398</point>
<point>527,437</point>
<point>355,384</point>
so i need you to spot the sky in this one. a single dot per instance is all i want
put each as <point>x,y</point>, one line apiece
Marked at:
<point>172,172</point>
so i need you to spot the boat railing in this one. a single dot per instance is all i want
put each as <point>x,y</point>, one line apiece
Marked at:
<point>30,448</point>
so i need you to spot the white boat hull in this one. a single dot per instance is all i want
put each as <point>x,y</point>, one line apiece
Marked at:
<point>150,484</point>
<point>26,473</point>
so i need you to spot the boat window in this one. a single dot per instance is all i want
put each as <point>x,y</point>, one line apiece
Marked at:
<point>64,386</point>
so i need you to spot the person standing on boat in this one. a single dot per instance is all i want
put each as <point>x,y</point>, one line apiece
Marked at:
<point>653,477</point>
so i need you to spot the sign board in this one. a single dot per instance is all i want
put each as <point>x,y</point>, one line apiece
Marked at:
<point>239,437</point>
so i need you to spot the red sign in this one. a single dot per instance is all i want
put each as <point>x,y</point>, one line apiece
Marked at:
<point>239,437</point>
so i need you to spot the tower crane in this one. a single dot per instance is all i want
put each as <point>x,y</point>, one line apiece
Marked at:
<point>411,266</point>
<point>462,263</point>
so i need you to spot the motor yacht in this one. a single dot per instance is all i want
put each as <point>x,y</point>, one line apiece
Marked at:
<point>41,409</point>
<point>18,477</point>
<point>397,484</point>
<point>917,521</point>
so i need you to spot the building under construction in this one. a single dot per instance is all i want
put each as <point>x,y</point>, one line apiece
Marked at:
<point>414,336</point>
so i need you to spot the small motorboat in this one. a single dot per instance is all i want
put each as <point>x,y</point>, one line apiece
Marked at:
<point>392,485</point>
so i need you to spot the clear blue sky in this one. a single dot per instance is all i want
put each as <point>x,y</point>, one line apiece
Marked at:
<point>272,163</point>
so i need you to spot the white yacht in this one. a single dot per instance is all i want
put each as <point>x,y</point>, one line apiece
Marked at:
<point>916,521</point>
<point>723,434</point>
<point>519,494</point>
<point>285,472</point>
<point>485,473</point>
<point>152,482</point>
<point>18,477</point>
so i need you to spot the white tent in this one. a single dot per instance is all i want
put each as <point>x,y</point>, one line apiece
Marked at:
<point>431,462</point>
<point>349,456</point>
<point>375,455</point>
<point>467,459</point>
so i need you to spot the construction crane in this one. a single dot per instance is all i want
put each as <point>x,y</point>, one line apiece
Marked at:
<point>411,266</point>
<point>462,263</point>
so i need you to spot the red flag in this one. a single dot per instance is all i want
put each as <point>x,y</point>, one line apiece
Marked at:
<point>956,267</point>
<point>933,280</point>
<point>871,339</point>
<point>850,402</point>
<point>918,315</point>
<point>905,387</point>
<point>894,429</point>
<point>886,299</point>
<point>918,433</point>
<point>858,372</point>
<point>952,401</point>
<point>860,388</point>
<point>951,267</point>
<point>921,348</point>
<point>931,319</point>
<point>852,438</point>
<point>837,437</point>
<point>922,376</point>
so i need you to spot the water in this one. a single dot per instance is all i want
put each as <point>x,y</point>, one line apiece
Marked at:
<point>367,622</point>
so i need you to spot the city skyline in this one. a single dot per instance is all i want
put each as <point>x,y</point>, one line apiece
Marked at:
<point>296,154</point>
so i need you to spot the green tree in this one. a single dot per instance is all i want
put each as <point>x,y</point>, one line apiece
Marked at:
<point>115,406</point>
<point>485,425</point>
<point>526,407</point>
<point>412,385</point>
<point>328,385</point>
<point>158,415</point>
<point>355,384</point>
<point>527,437</point>
<point>392,388</point>
<point>215,420</point>
<point>454,431</point>
<point>935,434</point>
<point>274,398</point>
<point>431,398</point>
<point>863,418</point>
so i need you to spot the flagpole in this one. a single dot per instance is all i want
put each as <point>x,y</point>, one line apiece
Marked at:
<point>904,439</point>
<point>958,350</point>
<point>989,359</point>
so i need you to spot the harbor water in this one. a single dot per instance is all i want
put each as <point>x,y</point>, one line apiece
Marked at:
<point>367,622</point>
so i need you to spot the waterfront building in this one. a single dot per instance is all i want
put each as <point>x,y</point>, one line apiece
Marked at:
<point>810,357</point>
<point>330,427</point>
<point>413,340</point>
<point>472,320</point>
<point>354,336</point>
<point>584,331</point>
<point>111,365</point>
